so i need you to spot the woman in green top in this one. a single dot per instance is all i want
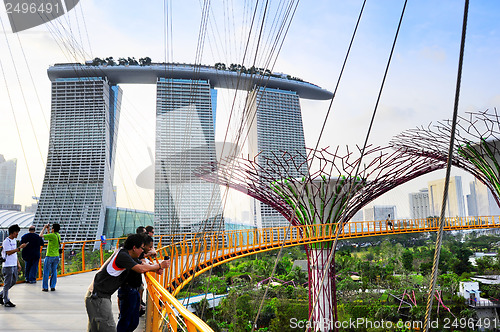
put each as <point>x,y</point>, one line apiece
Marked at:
<point>52,257</point>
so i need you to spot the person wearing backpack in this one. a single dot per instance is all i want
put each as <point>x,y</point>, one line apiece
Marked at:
<point>52,256</point>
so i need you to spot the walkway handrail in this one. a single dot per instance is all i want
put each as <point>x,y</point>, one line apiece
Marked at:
<point>166,306</point>
<point>169,305</point>
<point>482,303</point>
<point>192,257</point>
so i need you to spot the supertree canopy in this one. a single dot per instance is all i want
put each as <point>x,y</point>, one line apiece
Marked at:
<point>338,187</point>
<point>476,148</point>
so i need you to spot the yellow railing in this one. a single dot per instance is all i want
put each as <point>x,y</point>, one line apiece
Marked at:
<point>164,310</point>
<point>193,256</point>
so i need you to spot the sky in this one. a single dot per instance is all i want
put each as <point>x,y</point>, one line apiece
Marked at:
<point>419,89</point>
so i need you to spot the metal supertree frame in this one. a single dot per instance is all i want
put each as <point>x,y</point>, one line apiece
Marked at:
<point>341,184</point>
<point>476,148</point>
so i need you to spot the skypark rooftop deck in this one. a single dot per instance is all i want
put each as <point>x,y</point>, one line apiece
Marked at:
<point>226,79</point>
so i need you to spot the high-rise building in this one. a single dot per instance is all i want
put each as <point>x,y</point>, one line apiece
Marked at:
<point>7,180</point>
<point>185,141</point>
<point>276,126</point>
<point>480,201</point>
<point>380,212</point>
<point>419,204</point>
<point>86,99</point>
<point>78,182</point>
<point>358,216</point>
<point>455,206</point>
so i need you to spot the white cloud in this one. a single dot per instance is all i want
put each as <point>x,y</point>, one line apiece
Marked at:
<point>435,53</point>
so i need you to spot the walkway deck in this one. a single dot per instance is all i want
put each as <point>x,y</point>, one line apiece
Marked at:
<point>62,310</point>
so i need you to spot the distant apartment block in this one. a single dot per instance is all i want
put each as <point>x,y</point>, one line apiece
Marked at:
<point>380,212</point>
<point>357,217</point>
<point>10,207</point>
<point>419,204</point>
<point>31,208</point>
<point>455,206</point>
<point>480,201</point>
<point>7,180</point>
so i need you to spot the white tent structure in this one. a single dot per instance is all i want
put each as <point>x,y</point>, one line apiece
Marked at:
<point>9,218</point>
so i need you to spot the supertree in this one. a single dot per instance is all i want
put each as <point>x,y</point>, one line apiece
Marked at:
<point>341,184</point>
<point>476,148</point>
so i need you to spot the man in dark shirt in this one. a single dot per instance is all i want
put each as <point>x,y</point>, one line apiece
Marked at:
<point>31,254</point>
<point>129,295</point>
<point>109,278</point>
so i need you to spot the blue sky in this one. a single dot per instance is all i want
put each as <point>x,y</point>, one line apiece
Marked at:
<point>419,89</point>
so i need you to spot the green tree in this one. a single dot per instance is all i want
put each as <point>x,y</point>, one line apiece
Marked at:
<point>483,242</point>
<point>297,275</point>
<point>463,264</point>
<point>110,61</point>
<point>213,325</point>
<point>285,311</point>
<point>487,265</point>
<point>407,260</point>
<point>145,61</point>
<point>122,62</point>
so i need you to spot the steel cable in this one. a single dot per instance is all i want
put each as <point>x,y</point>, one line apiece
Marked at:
<point>439,239</point>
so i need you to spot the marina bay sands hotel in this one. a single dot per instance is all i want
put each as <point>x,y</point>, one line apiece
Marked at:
<point>85,113</point>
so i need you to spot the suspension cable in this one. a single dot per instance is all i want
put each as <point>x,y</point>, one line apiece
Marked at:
<point>439,239</point>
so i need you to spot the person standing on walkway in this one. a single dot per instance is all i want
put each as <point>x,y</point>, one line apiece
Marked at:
<point>51,257</point>
<point>150,230</point>
<point>130,293</point>
<point>389,222</point>
<point>31,254</point>
<point>110,277</point>
<point>11,266</point>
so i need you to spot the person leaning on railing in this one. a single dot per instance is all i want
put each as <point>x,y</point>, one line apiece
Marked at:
<point>110,277</point>
<point>130,292</point>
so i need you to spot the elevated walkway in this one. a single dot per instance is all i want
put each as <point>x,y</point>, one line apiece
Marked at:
<point>62,310</point>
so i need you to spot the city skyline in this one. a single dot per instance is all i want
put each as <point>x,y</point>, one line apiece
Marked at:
<point>419,88</point>
<point>7,180</point>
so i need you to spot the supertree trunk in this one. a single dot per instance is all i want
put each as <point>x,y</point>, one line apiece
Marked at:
<point>322,286</point>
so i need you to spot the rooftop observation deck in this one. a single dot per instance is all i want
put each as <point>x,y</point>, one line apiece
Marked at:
<point>136,74</point>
